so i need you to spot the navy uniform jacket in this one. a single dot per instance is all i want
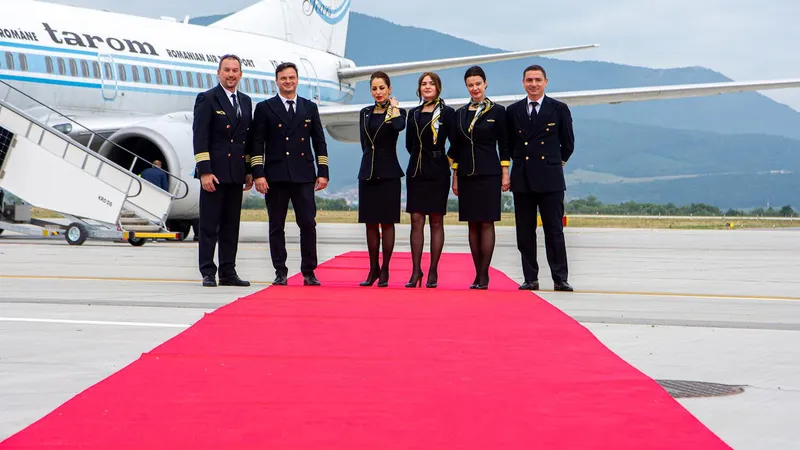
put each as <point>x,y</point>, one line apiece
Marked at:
<point>428,160</point>
<point>281,148</point>
<point>379,158</point>
<point>476,153</point>
<point>538,149</point>
<point>219,138</point>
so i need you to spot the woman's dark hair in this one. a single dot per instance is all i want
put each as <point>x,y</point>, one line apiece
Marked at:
<point>382,76</point>
<point>436,82</point>
<point>475,71</point>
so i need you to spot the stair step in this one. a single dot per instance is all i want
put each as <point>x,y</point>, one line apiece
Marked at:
<point>126,213</point>
<point>143,228</point>
<point>134,221</point>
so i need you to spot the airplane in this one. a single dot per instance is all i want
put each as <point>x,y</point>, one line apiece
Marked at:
<point>133,80</point>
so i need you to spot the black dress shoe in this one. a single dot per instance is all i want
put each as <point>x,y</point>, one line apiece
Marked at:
<point>311,280</point>
<point>233,281</point>
<point>529,286</point>
<point>209,281</point>
<point>563,286</point>
<point>280,280</point>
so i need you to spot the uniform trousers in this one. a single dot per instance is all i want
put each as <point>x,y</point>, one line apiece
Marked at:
<point>551,205</point>
<point>305,208</point>
<point>220,214</point>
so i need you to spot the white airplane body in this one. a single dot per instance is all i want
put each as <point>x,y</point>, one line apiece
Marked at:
<point>134,79</point>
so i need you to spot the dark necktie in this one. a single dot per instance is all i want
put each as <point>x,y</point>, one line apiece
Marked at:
<point>533,111</point>
<point>291,109</point>
<point>236,106</point>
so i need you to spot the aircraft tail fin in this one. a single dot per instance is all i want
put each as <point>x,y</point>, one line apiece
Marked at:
<point>319,24</point>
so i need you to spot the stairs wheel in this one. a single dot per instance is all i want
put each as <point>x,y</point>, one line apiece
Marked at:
<point>136,242</point>
<point>76,233</point>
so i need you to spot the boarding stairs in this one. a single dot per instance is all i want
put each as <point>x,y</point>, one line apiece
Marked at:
<point>49,170</point>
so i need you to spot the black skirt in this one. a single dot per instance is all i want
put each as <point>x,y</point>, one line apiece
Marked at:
<point>479,198</point>
<point>427,196</point>
<point>379,201</point>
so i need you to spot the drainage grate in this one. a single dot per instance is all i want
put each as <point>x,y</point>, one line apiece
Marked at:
<point>697,389</point>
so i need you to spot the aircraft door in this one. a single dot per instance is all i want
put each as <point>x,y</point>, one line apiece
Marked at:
<point>313,80</point>
<point>108,77</point>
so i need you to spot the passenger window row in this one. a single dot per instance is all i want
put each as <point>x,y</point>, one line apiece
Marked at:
<point>137,74</point>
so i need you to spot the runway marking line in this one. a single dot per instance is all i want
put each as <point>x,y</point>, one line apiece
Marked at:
<point>95,322</point>
<point>682,295</point>
<point>121,279</point>
<point>267,283</point>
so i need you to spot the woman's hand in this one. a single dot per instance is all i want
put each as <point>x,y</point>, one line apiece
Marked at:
<point>455,185</point>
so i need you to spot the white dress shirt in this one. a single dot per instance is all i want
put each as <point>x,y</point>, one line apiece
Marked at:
<point>285,100</point>
<point>538,106</point>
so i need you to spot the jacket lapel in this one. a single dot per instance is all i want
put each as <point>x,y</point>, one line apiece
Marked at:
<point>545,111</point>
<point>277,106</point>
<point>299,112</point>
<point>225,103</point>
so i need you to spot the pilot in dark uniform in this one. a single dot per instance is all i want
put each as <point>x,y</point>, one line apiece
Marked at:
<point>283,164</point>
<point>480,162</point>
<point>221,124</point>
<point>541,142</point>
<point>379,176</point>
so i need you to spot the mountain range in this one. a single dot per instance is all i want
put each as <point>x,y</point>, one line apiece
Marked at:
<point>734,151</point>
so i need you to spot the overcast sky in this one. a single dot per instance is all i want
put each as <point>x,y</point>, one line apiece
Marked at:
<point>743,39</point>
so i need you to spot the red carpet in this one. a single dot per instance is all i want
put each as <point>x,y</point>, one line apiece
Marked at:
<point>363,368</point>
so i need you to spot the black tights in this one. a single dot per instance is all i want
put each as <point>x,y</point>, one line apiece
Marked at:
<point>418,242</point>
<point>481,245</point>
<point>373,247</point>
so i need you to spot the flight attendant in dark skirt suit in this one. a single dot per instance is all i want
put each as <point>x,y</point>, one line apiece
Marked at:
<point>480,168</point>
<point>428,174</point>
<point>379,176</point>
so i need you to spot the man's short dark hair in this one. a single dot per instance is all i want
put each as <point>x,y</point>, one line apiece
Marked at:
<point>287,65</point>
<point>230,56</point>
<point>534,67</point>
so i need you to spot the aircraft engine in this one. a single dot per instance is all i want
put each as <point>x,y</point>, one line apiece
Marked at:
<point>166,138</point>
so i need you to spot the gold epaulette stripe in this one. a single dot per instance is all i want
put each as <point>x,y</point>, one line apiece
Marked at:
<point>505,163</point>
<point>247,159</point>
<point>323,160</point>
<point>200,157</point>
<point>257,161</point>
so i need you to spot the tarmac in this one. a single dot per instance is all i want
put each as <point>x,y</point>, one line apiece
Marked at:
<point>700,306</point>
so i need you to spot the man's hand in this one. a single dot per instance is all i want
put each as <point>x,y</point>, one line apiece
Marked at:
<point>321,184</point>
<point>207,181</point>
<point>248,183</point>
<point>261,185</point>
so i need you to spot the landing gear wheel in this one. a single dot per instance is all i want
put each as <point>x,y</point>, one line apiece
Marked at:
<point>136,242</point>
<point>1,230</point>
<point>76,233</point>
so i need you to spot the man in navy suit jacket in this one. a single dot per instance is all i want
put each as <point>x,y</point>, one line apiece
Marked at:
<point>284,168</point>
<point>540,142</point>
<point>222,117</point>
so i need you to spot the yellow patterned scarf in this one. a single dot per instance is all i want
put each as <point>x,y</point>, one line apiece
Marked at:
<point>387,105</point>
<point>483,107</point>
<point>437,114</point>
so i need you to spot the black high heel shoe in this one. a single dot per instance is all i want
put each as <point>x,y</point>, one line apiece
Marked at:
<point>371,278</point>
<point>383,281</point>
<point>474,283</point>
<point>483,284</point>
<point>415,281</point>
<point>432,284</point>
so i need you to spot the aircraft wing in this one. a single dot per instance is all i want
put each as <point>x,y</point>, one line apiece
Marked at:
<point>342,121</point>
<point>353,74</point>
